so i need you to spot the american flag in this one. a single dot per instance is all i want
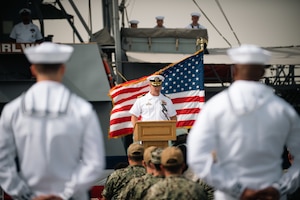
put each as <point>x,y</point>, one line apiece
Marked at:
<point>184,84</point>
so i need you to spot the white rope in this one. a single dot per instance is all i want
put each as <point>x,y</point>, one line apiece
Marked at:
<point>217,1</point>
<point>212,23</point>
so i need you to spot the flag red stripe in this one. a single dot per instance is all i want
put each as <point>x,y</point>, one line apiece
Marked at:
<point>188,111</point>
<point>123,108</point>
<point>188,99</point>
<point>188,123</point>
<point>130,98</point>
<point>120,132</point>
<point>128,90</point>
<point>120,120</point>
<point>127,83</point>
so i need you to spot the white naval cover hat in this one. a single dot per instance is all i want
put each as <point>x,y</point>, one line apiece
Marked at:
<point>24,10</point>
<point>49,53</point>
<point>156,80</point>
<point>159,17</point>
<point>195,14</point>
<point>134,21</point>
<point>249,54</point>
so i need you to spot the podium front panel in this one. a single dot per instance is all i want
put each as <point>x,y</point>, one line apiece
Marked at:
<point>155,130</point>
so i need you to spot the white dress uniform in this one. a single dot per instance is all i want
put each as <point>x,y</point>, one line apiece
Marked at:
<point>26,33</point>
<point>248,129</point>
<point>57,139</point>
<point>198,26</point>
<point>159,27</point>
<point>54,135</point>
<point>153,108</point>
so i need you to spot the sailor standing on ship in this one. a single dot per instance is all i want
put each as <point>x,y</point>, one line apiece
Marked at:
<point>195,24</point>
<point>26,31</point>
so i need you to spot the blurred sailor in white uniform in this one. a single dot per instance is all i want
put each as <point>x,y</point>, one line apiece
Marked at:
<point>237,141</point>
<point>153,106</point>
<point>53,134</point>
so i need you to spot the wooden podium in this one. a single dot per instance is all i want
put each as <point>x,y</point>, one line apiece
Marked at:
<point>155,133</point>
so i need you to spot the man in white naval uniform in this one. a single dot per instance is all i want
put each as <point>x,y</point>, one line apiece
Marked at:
<point>153,106</point>
<point>26,31</point>
<point>237,141</point>
<point>54,135</point>
<point>195,16</point>
<point>159,22</point>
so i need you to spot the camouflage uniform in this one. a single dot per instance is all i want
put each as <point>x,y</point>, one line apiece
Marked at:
<point>207,188</point>
<point>119,179</point>
<point>176,187</point>
<point>137,187</point>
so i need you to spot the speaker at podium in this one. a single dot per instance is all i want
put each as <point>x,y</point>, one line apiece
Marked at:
<point>154,133</point>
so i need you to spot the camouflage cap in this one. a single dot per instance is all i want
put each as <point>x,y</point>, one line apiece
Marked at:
<point>135,149</point>
<point>148,152</point>
<point>171,156</point>
<point>156,155</point>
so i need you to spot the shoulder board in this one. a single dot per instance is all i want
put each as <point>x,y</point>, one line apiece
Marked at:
<point>142,95</point>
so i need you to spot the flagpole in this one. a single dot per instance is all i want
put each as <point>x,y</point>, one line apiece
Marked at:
<point>118,51</point>
<point>202,46</point>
